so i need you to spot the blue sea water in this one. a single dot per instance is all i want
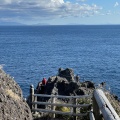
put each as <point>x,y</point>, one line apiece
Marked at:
<point>30,53</point>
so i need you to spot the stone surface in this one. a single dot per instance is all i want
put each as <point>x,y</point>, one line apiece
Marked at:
<point>12,104</point>
<point>68,73</point>
<point>65,84</point>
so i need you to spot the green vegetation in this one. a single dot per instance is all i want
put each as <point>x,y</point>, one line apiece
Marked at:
<point>63,109</point>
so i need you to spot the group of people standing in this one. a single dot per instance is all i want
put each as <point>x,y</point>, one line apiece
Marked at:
<point>40,89</point>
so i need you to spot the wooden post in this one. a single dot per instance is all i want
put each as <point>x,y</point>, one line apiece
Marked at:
<point>96,110</point>
<point>74,108</point>
<point>31,96</point>
<point>53,107</point>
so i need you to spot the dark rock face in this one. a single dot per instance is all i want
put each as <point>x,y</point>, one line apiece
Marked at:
<point>12,104</point>
<point>65,84</point>
<point>88,84</point>
<point>61,86</point>
<point>68,73</point>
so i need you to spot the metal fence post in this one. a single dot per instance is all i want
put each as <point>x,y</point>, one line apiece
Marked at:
<point>96,110</point>
<point>31,96</point>
<point>91,115</point>
<point>74,108</point>
<point>53,107</point>
<point>35,105</point>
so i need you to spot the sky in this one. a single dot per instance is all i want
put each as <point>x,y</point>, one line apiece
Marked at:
<point>60,12</point>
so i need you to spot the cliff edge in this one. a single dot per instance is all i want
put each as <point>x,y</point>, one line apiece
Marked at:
<point>12,104</point>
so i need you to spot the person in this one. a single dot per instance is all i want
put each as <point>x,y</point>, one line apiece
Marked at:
<point>44,81</point>
<point>40,89</point>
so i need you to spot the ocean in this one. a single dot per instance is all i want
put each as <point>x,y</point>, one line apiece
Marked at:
<point>29,53</point>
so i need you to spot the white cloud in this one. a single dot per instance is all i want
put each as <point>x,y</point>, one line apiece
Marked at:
<point>44,9</point>
<point>8,1</point>
<point>60,1</point>
<point>108,13</point>
<point>116,4</point>
<point>80,0</point>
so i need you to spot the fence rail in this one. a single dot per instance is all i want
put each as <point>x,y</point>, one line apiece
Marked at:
<point>61,96</point>
<point>100,104</point>
<point>65,105</point>
<point>73,105</point>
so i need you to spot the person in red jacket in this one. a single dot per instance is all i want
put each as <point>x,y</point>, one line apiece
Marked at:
<point>44,81</point>
<point>43,86</point>
<point>40,89</point>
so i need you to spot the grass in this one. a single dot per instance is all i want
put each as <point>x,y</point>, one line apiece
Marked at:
<point>115,103</point>
<point>13,95</point>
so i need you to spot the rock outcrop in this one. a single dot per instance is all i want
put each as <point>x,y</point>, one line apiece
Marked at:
<point>65,83</point>
<point>12,104</point>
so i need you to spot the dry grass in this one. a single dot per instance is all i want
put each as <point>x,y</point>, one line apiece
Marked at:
<point>12,94</point>
<point>115,103</point>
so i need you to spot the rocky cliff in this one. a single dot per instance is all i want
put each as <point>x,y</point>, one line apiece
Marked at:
<point>66,83</point>
<point>12,104</point>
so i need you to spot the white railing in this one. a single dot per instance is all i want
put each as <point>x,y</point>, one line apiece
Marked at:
<point>100,105</point>
<point>73,105</point>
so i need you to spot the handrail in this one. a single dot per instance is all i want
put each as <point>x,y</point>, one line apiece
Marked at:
<point>59,112</point>
<point>66,105</point>
<point>62,96</point>
<point>100,103</point>
<point>104,105</point>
